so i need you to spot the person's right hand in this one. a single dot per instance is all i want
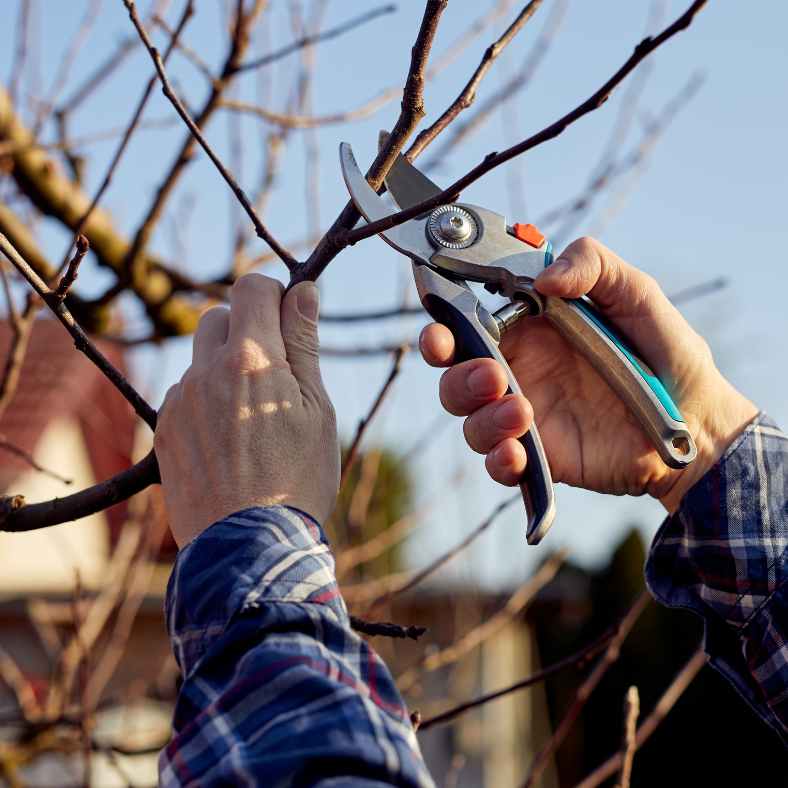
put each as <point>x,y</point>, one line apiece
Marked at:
<point>590,437</point>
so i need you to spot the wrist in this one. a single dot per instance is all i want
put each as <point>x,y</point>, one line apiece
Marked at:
<point>723,420</point>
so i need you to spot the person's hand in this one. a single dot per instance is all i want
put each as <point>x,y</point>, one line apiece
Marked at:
<point>250,423</point>
<point>590,438</point>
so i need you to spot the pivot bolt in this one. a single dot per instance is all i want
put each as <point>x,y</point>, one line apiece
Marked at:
<point>452,226</point>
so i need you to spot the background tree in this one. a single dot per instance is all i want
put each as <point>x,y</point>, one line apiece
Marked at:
<point>233,95</point>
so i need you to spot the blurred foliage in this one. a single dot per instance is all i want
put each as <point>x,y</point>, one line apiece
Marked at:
<point>711,737</point>
<point>377,493</point>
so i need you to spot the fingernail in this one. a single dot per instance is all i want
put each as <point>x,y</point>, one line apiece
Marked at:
<point>481,383</point>
<point>556,270</point>
<point>308,301</point>
<point>508,415</point>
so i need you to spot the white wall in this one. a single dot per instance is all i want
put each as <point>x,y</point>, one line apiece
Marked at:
<point>46,560</point>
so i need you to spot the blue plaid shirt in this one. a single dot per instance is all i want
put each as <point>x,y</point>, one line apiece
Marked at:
<point>278,690</point>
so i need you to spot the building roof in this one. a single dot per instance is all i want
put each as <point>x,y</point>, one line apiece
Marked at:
<point>58,382</point>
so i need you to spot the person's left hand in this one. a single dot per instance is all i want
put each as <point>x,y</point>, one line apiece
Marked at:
<point>249,423</point>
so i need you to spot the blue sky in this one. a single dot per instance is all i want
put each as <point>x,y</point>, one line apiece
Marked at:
<point>710,202</point>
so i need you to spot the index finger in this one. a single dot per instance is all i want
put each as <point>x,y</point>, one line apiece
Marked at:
<point>437,345</point>
<point>255,302</point>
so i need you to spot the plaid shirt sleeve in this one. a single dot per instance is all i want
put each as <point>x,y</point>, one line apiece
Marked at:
<point>277,689</point>
<point>723,555</point>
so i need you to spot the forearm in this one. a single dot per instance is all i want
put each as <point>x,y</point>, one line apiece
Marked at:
<point>722,554</point>
<point>275,681</point>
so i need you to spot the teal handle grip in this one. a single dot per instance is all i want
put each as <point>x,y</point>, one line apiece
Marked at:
<point>651,380</point>
<point>628,375</point>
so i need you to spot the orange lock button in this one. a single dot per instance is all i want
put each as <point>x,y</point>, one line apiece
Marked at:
<point>529,234</point>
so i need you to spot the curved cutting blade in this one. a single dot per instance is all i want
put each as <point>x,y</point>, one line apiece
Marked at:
<point>409,238</point>
<point>408,185</point>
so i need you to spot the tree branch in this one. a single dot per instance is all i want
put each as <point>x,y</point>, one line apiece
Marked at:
<point>324,35</point>
<point>17,516</point>
<point>21,329</point>
<point>489,627</point>
<point>668,700</point>
<point>352,451</point>
<point>506,92</point>
<point>629,743</point>
<point>72,271</point>
<point>493,160</point>
<point>468,93</point>
<point>577,659</point>
<point>42,181</point>
<point>260,228</point>
<point>386,629</point>
<point>411,113</point>
<point>586,688</point>
<point>143,410</point>
<point>188,11</point>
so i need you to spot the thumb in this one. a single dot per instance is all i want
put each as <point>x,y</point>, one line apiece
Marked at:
<point>300,309</point>
<point>631,298</point>
<point>587,267</point>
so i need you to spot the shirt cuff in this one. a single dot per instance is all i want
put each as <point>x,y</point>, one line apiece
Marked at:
<point>723,551</point>
<point>254,556</point>
<point>723,556</point>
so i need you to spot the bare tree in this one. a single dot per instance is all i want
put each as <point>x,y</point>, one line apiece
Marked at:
<point>43,167</point>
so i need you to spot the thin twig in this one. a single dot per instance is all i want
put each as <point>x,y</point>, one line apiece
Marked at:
<point>606,173</point>
<point>194,57</point>
<point>449,555</point>
<point>66,62</point>
<point>489,627</point>
<point>21,330</point>
<point>668,700</point>
<point>351,557</point>
<point>412,111</point>
<point>578,659</point>
<point>316,38</point>
<point>11,675</point>
<point>188,11</point>
<point>239,43</point>
<point>16,515</point>
<point>468,94</point>
<point>363,425</point>
<point>72,271</point>
<point>27,457</point>
<point>631,712</point>
<point>386,629</point>
<point>493,160</point>
<point>506,93</point>
<point>81,341</point>
<point>583,693</point>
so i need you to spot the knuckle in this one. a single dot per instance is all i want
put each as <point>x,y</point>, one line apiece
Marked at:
<point>246,356</point>
<point>257,283</point>
<point>215,313</point>
<point>583,248</point>
<point>587,244</point>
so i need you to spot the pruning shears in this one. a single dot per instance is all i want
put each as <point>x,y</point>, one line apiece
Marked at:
<point>457,243</point>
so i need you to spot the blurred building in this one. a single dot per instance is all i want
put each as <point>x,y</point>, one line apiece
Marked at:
<point>65,429</point>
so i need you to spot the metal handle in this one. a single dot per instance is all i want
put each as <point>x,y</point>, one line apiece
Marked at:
<point>628,375</point>
<point>458,309</point>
